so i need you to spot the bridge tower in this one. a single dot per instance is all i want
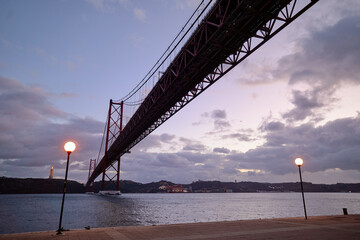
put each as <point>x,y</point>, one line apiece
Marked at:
<point>111,174</point>
<point>91,186</point>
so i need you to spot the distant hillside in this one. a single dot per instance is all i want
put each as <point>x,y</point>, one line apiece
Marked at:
<point>36,185</point>
<point>217,186</point>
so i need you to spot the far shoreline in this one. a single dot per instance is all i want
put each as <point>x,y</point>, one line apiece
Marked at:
<point>48,186</point>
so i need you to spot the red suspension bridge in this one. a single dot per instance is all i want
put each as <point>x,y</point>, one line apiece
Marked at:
<point>228,33</point>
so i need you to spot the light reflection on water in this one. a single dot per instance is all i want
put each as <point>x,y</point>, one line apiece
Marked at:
<point>40,212</point>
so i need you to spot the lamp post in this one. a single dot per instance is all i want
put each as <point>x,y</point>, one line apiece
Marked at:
<point>69,148</point>
<point>299,162</point>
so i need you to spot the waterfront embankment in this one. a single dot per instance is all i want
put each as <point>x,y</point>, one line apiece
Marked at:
<point>345,227</point>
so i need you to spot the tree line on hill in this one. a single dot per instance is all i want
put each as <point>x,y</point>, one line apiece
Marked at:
<point>37,185</point>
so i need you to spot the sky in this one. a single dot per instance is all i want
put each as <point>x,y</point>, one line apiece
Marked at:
<point>297,96</point>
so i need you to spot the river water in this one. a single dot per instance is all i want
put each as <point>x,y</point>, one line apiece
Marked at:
<point>41,212</point>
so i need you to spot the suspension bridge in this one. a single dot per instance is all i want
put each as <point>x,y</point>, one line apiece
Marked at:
<point>216,38</point>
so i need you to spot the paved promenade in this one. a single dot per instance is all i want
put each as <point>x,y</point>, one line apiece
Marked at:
<point>319,228</point>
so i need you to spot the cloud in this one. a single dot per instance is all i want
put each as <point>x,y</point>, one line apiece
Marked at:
<point>257,73</point>
<point>221,150</point>
<point>221,124</point>
<point>180,166</point>
<point>218,114</point>
<point>327,57</point>
<point>170,160</point>
<point>219,119</point>
<point>242,137</point>
<point>33,131</point>
<point>325,61</point>
<point>273,126</point>
<point>153,141</point>
<point>22,104</point>
<point>334,145</point>
<point>192,160</point>
<point>309,103</point>
<point>140,14</point>
<point>167,137</point>
<point>192,145</point>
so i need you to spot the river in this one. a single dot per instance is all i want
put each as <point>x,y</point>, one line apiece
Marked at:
<point>41,212</point>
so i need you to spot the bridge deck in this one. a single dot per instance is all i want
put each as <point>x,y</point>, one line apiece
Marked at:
<point>222,40</point>
<point>324,227</point>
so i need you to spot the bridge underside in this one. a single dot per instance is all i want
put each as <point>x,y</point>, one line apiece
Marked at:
<point>230,32</point>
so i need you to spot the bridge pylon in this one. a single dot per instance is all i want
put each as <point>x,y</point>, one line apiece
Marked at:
<point>111,174</point>
<point>90,187</point>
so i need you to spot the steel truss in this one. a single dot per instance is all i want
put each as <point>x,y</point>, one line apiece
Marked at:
<point>231,31</point>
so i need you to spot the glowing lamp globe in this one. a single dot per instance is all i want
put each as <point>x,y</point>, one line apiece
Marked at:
<point>299,161</point>
<point>69,147</point>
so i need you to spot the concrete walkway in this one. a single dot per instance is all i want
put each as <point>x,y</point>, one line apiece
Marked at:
<point>319,228</point>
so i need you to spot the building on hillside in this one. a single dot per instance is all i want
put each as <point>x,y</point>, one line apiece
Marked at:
<point>175,189</point>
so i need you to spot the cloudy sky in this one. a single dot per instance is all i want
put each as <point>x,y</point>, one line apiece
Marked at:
<point>298,95</point>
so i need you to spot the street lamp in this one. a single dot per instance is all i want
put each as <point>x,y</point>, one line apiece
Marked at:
<point>299,162</point>
<point>69,148</point>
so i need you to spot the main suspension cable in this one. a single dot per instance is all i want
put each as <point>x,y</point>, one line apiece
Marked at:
<point>102,141</point>
<point>147,77</point>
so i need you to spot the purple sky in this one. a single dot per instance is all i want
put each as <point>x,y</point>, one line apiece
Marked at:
<point>298,95</point>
